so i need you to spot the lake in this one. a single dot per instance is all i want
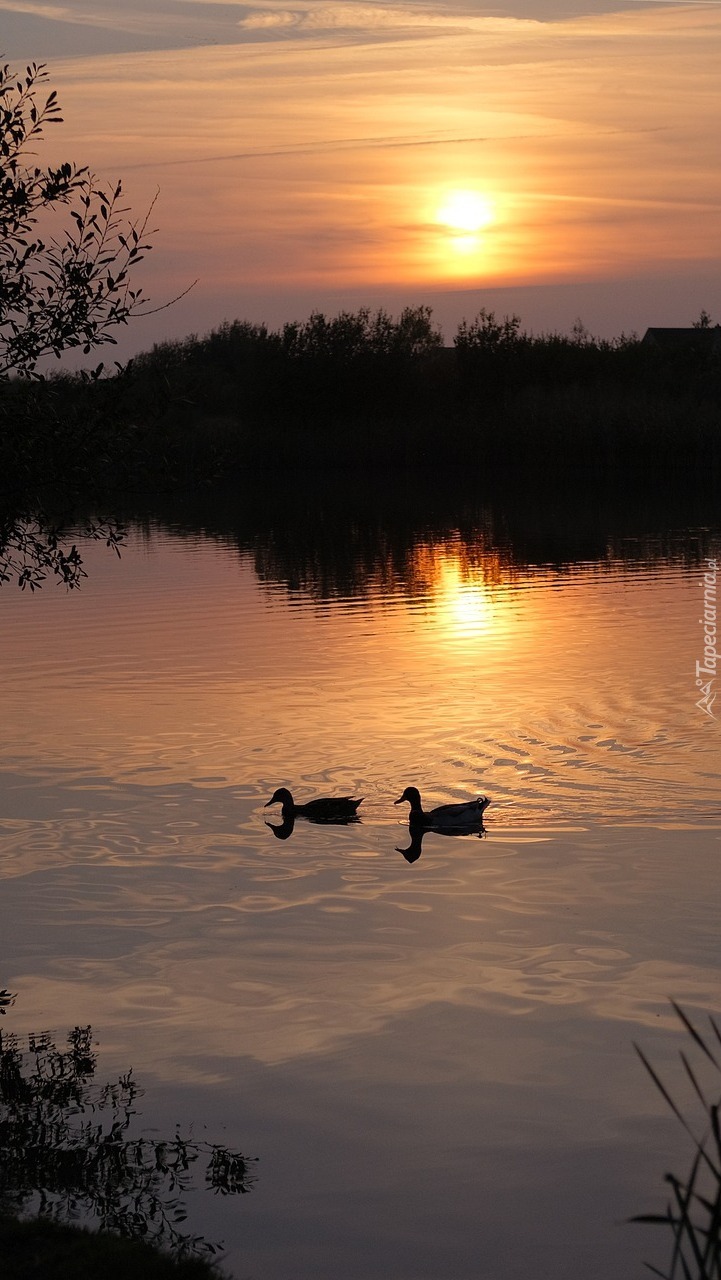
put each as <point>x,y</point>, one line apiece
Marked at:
<point>427,1045</point>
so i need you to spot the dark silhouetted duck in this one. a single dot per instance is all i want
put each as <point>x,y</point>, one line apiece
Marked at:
<point>325,809</point>
<point>465,814</point>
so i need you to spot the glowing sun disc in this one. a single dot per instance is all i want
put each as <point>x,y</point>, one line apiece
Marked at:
<point>465,212</point>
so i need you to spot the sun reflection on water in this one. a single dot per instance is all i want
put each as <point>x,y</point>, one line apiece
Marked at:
<point>467,594</point>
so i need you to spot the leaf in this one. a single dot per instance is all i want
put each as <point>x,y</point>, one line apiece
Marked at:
<point>661,1087</point>
<point>694,1033</point>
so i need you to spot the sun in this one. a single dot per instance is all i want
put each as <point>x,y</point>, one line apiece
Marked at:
<point>465,212</point>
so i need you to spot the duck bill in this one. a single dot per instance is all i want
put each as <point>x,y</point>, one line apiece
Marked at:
<point>399,800</point>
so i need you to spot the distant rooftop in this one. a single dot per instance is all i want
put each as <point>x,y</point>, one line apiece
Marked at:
<point>700,339</point>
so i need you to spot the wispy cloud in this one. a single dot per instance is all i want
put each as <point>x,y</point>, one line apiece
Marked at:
<point>81,27</point>
<point>313,17</point>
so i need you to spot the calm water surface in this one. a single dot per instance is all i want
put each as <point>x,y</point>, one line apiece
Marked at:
<point>428,1047</point>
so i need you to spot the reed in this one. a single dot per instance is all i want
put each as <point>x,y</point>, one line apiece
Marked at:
<point>693,1211</point>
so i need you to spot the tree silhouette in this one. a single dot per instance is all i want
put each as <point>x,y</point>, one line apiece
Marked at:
<point>67,252</point>
<point>70,289</point>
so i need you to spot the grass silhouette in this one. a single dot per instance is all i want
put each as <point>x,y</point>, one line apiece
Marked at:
<point>693,1212</point>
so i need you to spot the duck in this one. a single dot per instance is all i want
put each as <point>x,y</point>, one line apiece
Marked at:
<point>324,809</point>
<point>466,814</point>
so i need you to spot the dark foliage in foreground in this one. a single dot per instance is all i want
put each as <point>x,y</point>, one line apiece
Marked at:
<point>41,1250</point>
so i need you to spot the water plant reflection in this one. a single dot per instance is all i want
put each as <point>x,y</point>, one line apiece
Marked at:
<point>56,1163</point>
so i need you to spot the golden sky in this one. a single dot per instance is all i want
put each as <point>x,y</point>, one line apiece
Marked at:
<point>335,155</point>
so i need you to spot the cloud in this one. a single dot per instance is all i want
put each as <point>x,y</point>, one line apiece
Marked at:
<point>268,18</point>
<point>351,17</point>
<point>86,27</point>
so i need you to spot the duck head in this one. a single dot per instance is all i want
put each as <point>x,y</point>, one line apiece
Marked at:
<point>281,796</point>
<point>412,795</point>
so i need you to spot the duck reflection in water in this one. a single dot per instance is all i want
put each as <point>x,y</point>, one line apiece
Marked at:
<point>330,810</point>
<point>281,830</point>
<point>418,832</point>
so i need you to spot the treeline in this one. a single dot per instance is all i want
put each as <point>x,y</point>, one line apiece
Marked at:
<point>362,387</point>
<point>360,361</point>
<point>365,389</point>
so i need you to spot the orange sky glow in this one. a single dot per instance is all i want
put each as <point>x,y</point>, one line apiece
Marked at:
<point>336,160</point>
